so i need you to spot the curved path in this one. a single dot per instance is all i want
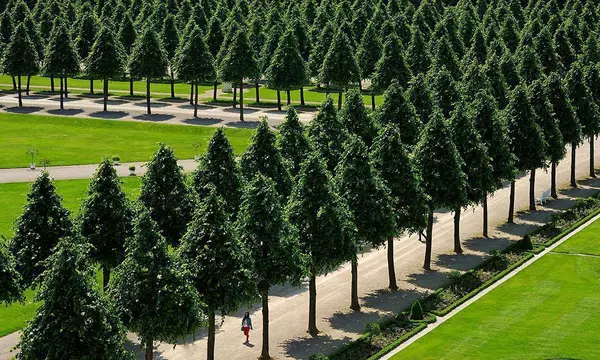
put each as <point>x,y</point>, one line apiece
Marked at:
<point>339,325</point>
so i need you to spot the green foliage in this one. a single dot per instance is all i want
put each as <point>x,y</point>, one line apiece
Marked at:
<point>42,224</point>
<point>60,56</point>
<point>214,36</point>
<point>292,141</point>
<point>526,243</point>
<point>391,66</point>
<point>319,51</point>
<point>327,134</point>
<point>10,279</point>
<point>20,55</point>
<point>166,196</point>
<point>445,56</point>
<point>416,311</point>
<point>151,290</point>
<point>548,122</point>
<point>263,156</point>
<point>127,34</point>
<point>510,33</point>
<point>106,57</point>
<point>419,94</point>
<point>373,329</point>
<point>564,49</point>
<point>445,90</point>
<point>581,99</point>
<point>105,216</point>
<point>356,119</point>
<point>339,65</point>
<point>286,70</point>
<point>170,36</point>
<point>87,28</point>
<point>318,357</point>
<point>193,59</point>
<point>238,61</point>
<point>74,320</point>
<point>417,55</point>
<point>546,52</point>
<point>398,110</point>
<point>530,67</point>
<point>568,123</point>
<point>148,58</point>
<point>369,51</point>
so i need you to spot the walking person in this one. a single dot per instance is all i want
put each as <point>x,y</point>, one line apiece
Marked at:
<point>247,326</point>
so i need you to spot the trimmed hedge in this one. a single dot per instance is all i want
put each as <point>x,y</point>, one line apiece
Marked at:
<point>400,340</point>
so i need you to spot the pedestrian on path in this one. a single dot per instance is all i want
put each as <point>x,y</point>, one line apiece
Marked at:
<point>247,326</point>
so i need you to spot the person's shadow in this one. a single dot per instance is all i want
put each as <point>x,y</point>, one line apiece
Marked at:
<point>250,345</point>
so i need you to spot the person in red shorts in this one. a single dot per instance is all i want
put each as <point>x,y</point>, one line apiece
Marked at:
<point>247,326</point>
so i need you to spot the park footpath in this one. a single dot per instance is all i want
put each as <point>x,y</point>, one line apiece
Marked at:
<point>339,325</point>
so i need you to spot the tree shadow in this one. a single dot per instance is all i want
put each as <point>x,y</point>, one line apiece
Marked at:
<point>303,348</point>
<point>430,280</point>
<point>460,262</point>
<point>518,229</point>
<point>24,109</point>
<point>237,110</point>
<point>39,95</point>
<point>130,98</point>
<point>154,117</point>
<point>153,104</point>
<point>109,114</point>
<point>203,121</point>
<point>200,106</point>
<point>243,124</point>
<point>65,112</point>
<point>354,322</point>
<point>393,301</point>
<point>92,96</point>
<point>485,245</point>
<point>67,100</point>
<point>111,101</point>
<point>140,353</point>
<point>175,100</point>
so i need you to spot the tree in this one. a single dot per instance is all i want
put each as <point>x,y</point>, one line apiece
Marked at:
<point>87,30</point>
<point>218,169</point>
<point>271,241</point>
<point>319,51</point>
<point>356,118</point>
<point>219,263</point>
<point>263,156</point>
<point>148,59</point>
<point>292,141</point>
<point>368,54</point>
<point>43,222</point>
<point>584,105</point>
<point>549,124</point>
<point>325,226</point>
<point>286,71</point>
<point>20,57</point>
<point>568,123</point>
<point>417,53</point>
<point>151,290</point>
<point>398,110</point>
<point>546,52</point>
<point>193,62</point>
<point>443,179</point>
<point>238,64</point>
<point>166,196</point>
<point>445,89</point>
<point>510,34</point>
<point>60,58</point>
<point>170,40</point>
<point>127,36</point>
<point>391,66</point>
<point>420,96</point>
<point>409,203</point>
<point>527,142</point>
<point>327,134</point>
<point>564,49</point>
<point>530,67</point>
<point>214,39</point>
<point>509,70</point>
<point>369,200</point>
<point>445,56</point>
<point>476,164</point>
<point>105,59</point>
<point>339,65</point>
<point>74,320</point>
<point>105,220</point>
<point>11,289</point>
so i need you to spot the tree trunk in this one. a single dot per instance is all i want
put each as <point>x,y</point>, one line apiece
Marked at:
<point>372,101</point>
<point>312,302</point>
<point>428,241</point>
<point>62,104</point>
<point>457,246</point>
<point>302,96</point>
<point>148,96</point>
<point>340,100</point>
<point>573,156</point>
<point>215,91</point>
<point>196,102</point>
<point>210,351</point>
<point>130,86</point>
<point>52,83</point>
<point>532,190</point>
<point>14,83</point>
<point>354,305</point>
<point>485,217</point>
<point>172,85</point>
<point>592,170</point>
<point>234,95</point>
<point>287,93</point>
<point>265,312</point>
<point>511,204</point>
<point>192,93</point>
<point>105,277</point>
<point>278,100</point>
<point>92,87</point>
<point>327,89</point>
<point>28,82</point>
<point>19,90</point>
<point>257,87</point>
<point>241,99</point>
<point>391,267</point>
<point>105,93</point>
<point>149,350</point>
<point>66,88</point>
<point>553,192</point>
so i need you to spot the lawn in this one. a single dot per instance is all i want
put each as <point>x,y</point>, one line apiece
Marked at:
<point>550,310</point>
<point>74,141</point>
<point>12,199</point>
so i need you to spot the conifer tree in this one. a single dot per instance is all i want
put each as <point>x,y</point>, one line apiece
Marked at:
<point>368,54</point>
<point>369,200</point>
<point>325,225</point>
<point>151,289</point>
<point>391,66</point>
<point>327,134</point>
<point>420,96</point>
<point>445,90</point>
<point>292,141</point>
<point>148,59</point>
<point>20,57</point>
<point>74,320</point>
<point>42,224</point>
<point>564,49</point>
<point>417,55</point>
<point>339,65</point>
<point>445,56</point>
<point>510,33</point>
<point>272,243</point>
<point>165,194</point>
<point>478,50</point>
<point>105,218</point>
<point>218,262</point>
<point>318,52</point>
<point>409,203</point>
<point>263,156</point>
<point>105,59</point>
<point>530,67</point>
<point>498,86</point>
<point>443,179</point>
<point>356,119</point>
<point>86,31</point>
<point>546,52</point>
<point>509,70</point>
<point>214,39</point>
<point>11,289</point>
<point>527,142</point>
<point>170,40</point>
<point>127,36</point>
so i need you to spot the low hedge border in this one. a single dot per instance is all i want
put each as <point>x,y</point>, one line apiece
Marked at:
<point>400,340</point>
<point>572,228</point>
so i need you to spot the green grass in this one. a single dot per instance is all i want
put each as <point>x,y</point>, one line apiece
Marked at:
<point>585,242</point>
<point>74,141</point>
<point>550,310</point>
<point>12,199</point>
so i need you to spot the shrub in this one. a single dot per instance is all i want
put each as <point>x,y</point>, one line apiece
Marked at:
<point>132,168</point>
<point>416,311</point>
<point>498,260</point>
<point>526,243</point>
<point>318,357</point>
<point>116,158</point>
<point>373,328</point>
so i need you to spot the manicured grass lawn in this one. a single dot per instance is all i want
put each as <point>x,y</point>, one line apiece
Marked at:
<point>550,310</point>
<point>74,141</point>
<point>586,241</point>
<point>12,199</point>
